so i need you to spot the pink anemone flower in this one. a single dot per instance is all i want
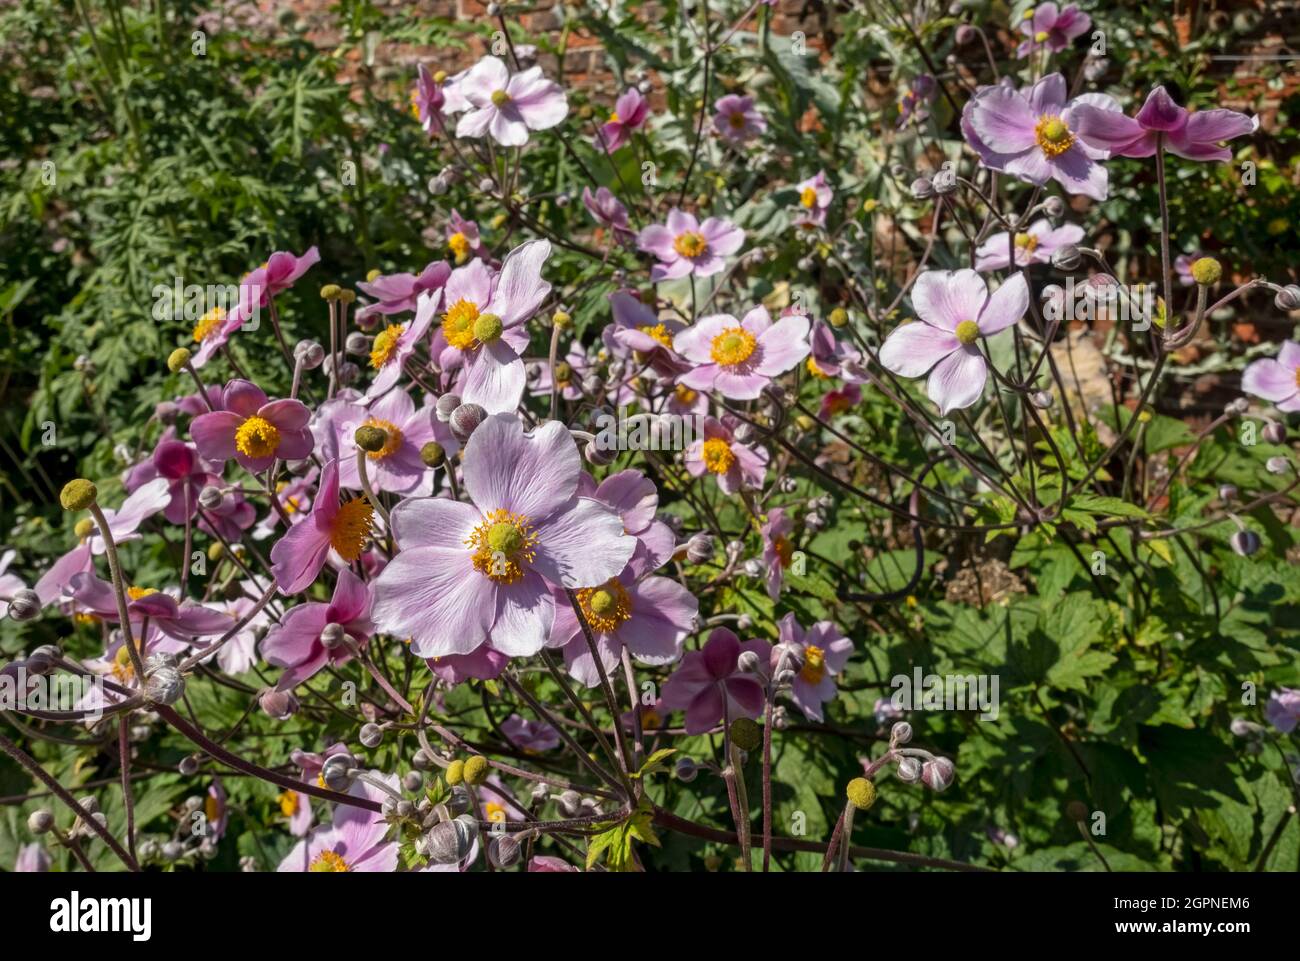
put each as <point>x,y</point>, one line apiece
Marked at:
<point>508,107</point>
<point>739,358</point>
<point>685,246</point>
<point>1283,709</point>
<point>467,573</point>
<point>1034,135</point>
<point>631,111</point>
<point>956,311</point>
<point>737,119</point>
<point>1277,381</point>
<point>608,211</point>
<point>179,620</point>
<point>1034,245</point>
<point>484,322</point>
<point>737,466</point>
<point>253,430</point>
<point>778,551</point>
<point>396,342</point>
<point>822,652</point>
<point>295,643</point>
<point>298,556</point>
<point>1052,28</point>
<point>1191,135</point>
<point>354,840</point>
<point>531,737</point>
<point>709,685</point>
<point>396,467</point>
<point>396,293</point>
<point>482,664</point>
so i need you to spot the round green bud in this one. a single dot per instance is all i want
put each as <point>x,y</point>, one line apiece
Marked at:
<point>487,328</point>
<point>373,275</point>
<point>476,769</point>
<point>370,438</point>
<point>433,454</point>
<point>563,372</point>
<point>455,772</point>
<point>746,734</point>
<point>84,528</point>
<point>178,359</point>
<point>1206,271</point>
<point>861,793</point>
<point>561,319</point>
<point>78,494</point>
<point>838,317</point>
<point>330,292</point>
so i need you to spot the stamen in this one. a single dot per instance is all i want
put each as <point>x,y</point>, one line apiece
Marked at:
<point>733,346</point>
<point>606,607</point>
<point>257,437</point>
<point>717,455</point>
<point>391,445</point>
<point>458,324</point>
<point>385,346</point>
<point>209,324</point>
<point>814,664</point>
<point>351,527</point>
<point>330,862</point>
<point>691,244</point>
<point>1053,136</point>
<point>659,332</point>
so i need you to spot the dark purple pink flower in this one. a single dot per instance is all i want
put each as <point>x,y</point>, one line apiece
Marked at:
<point>684,246</point>
<point>631,111</point>
<point>396,342</point>
<point>179,620</point>
<point>778,550</point>
<point>709,685</point>
<point>252,429</point>
<point>1033,135</point>
<point>738,358</point>
<point>607,211</point>
<point>295,643</point>
<point>1048,27</point>
<point>466,573</point>
<point>1283,709</point>
<point>914,105</point>
<point>956,311</point>
<point>737,119</point>
<point>531,737</point>
<point>1193,135</point>
<point>298,556</point>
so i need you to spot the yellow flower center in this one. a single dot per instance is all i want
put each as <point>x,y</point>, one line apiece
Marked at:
<point>737,121</point>
<point>211,808</point>
<point>288,803</point>
<point>385,346</point>
<point>329,861</point>
<point>1297,376</point>
<point>500,98</point>
<point>784,549</point>
<point>415,103</point>
<point>605,607</point>
<point>458,324</point>
<point>650,719</point>
<point>1027,242</point>
<point>808,197</point>
<point>351,527</point>
<point>391,431</point>
<point>967,332</point>
<point>815,370</point>
<point>1041,36</point>
<point>717,455</point>
<point>685,395</point>
<point>814,664</point>
<point>613,117</point>
<point>496,812</point>
<point>459,245</point>
<point>691,244</point>
<point>135,593</point>
<point>733,346</point>
<point>502,541</point>
<point>208,324</point>
<point>659,332</point>
<point>123,669</point>
<point>487,328</point>
<point>257,437</point>
<point>1053,135</point>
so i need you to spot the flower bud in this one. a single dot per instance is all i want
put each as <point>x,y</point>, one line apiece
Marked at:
<point>1054,206</point>
<point>309,354</point>
<point>1277,465</point>
<point>861,793</point>
<point>178,360</point>
<point>900,733</point>
<point>1042,399</point>
<point>357,343</point>
<point>40,821</point>
<point>465,419</point>
<point>447,842</point>
<point>937,774</point>
<point>944,181</point>
<point>922,188</point>
<point>25,605</point>
<point>1206,271</point>
<point>164,685</point>
<point>1274,433</point>
<point>348,373</point>
<point>753,567</point>
<point>210,497</point>
<point>279,705</point>
<point>908,770</point>
<point>172,851</point>
<point>446,406</point>
<point>494,9</point>
<point>1237,407</point>
<point>1227,492</point>
<point>1076,811</point>
<point>1066,257</point>
<point>78,494</point>
<point>332,635</point>
<point>412,781</point>
<point>1288,298</point>
<point>701,548</point>
<point>503,850</point>
<point>597,455</point>
<point>476,770</point>
<point>188,766</point>
<point>746,734</point>
<point>965,34</point>
<point>44,659</point>
<point>569,804</point>
<point>686,770</point>
<point>338,772</point>
<point>371,735</point>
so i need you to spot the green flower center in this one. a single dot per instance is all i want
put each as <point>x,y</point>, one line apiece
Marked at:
<point>967,332</point>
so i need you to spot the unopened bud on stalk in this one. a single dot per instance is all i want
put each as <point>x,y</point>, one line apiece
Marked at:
<point>753,567</point>
<point>25,605</point>
<point>908,770</point>
<point>1227,492</point>
<point>504,850</point>
<point>40,821</point>
<point>922,188</point>
<point>1042,399</point>
<point>465,420</point>
<point>309,354</point>
<point>279,705</point>
<point>164,685</point>
<point>446,406</point>
<point>597,455</point>
<point>1066,257</point>
<point>1274,432</point>
<point>371,735</point>
<point>945,181</point>
<point>1237,407</point>
<point>332,635</point>
<point>701,548</point>
<point>749,662</point>
<point>569,804</point>
<point>357,343</point>
<point>348,373</point>
<point>1288,298</point>
<point>177,360</point>
<point>937,774</point>
<point>1277,465</point>
<point>432,454</point>
<point>686,770</point>
<point>338,772</point>
<point>210,497</point>
<point>1054,206</point>
<point>447,842</point>
<point>189,765</point>
<point>1076,811</point>
<point>900,733</point>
